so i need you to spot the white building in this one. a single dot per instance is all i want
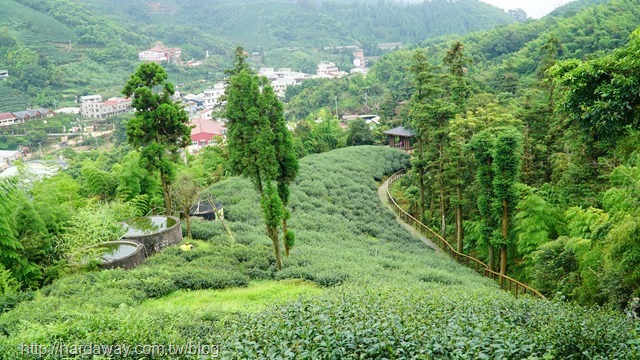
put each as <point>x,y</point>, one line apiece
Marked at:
<point>7,119</point>
<point>359,70</point>
<point>92,106</point>
<point>329,70</point>
<point>212,97</point>
<point>160,53</point>
<point>282,78</point>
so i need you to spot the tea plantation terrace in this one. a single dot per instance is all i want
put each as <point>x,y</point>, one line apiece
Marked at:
<point>356,285</point>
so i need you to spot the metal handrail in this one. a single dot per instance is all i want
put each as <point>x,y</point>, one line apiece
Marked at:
<point>506,282</point>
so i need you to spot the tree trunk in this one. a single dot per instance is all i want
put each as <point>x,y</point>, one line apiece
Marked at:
<point>421,182</point>
<point>187,219</point>
<point>505,234</point>
<point>166,192</point>
<point>431,206</point>
<point>503,260</point>
<point>284,231</point>
<point>273,234</point>
<point>459,229</point>
<point>491,257</point>
<point>443,223</point>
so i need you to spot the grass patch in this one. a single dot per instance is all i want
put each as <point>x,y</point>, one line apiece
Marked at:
<point>256,297</point>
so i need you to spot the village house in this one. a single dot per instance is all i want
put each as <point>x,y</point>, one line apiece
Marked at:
<point>358,59</point>
<point>92,106</point>
<point>194,100</point>
<point>4,74</point>
<point>206,114</point>
<point>30,114</point>
<point>7,119</point>
<point>212,97</point>
<point>390,46</point>
<point>204,132</point>
<point>371,120</point>
<point>329,70</point>
<point>282,78</point>
<point>160,53</point>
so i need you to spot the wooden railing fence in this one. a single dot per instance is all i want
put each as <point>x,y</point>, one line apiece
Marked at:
<point>507,283</point>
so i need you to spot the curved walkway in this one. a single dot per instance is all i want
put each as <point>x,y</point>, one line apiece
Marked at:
<point>410,223</point>
<point>382,193</point>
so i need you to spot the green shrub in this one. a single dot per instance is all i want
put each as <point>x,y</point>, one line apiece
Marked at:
<point>203,229</point>
<point>10,300</point>
<point>198,278</point>
<point>157,286</point>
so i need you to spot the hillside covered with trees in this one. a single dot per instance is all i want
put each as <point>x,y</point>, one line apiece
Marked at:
<point>561,88</point>
<point>59,49</point>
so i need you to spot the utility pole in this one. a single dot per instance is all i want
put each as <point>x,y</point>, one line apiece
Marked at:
<point>366,102</point>
<point>337,115</point>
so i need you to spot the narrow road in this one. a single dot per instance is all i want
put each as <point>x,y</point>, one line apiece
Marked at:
<point>382,193</point>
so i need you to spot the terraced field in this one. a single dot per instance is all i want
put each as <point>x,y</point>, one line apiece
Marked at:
<point>356,285</point>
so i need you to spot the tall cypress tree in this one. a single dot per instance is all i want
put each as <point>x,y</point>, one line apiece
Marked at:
<point>261,147</point>
<point>507,159</point>
<point>430,115</point>
<point>159,128</point>
<point>482,147</point>
<point>285,153</point>
<point>9,245</point>
<point>456,61</point>
<point>498,153</point>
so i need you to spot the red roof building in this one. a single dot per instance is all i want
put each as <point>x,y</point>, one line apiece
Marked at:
<point>7,119</point>
<point>204,132</point>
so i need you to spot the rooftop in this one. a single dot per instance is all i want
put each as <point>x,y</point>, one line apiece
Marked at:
<point>400,131</point>
<point>207,127</point>
<point>7,116</point>
<point>8,153</point>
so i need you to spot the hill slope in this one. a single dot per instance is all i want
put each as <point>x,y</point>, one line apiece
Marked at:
<point>386,294</point>
<point>272,23</point>
<point>85,47</point>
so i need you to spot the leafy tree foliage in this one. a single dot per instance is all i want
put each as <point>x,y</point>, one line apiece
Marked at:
<point>10,246</point>
<point>318,133</point>
<point>359,133</point>
<point>187,190</point>
<point>159,128</point>
<point>602,94</point>
<point>260,146</point>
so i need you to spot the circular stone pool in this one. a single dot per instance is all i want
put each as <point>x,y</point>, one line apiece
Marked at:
<point>114,254</point>
<point>154,232</point>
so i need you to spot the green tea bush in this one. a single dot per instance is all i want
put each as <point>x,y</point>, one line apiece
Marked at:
<point>194,277</point>
<point>429,322</point>
<point>10,300</point>
<point>157,286</point>
<point>203,229</point>
<point>386,294</point>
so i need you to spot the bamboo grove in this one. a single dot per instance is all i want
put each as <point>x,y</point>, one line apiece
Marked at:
<point>544,185</point>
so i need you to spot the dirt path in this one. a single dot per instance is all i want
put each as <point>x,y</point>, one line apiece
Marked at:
<point>382,193</point>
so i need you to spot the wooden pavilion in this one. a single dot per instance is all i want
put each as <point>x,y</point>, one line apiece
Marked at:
<point>401,138</point>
